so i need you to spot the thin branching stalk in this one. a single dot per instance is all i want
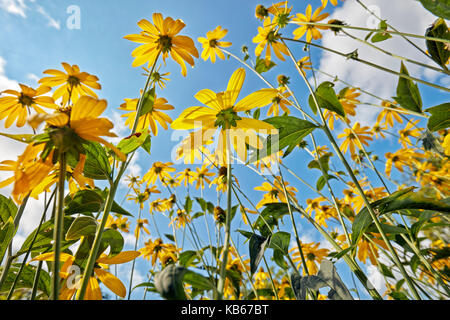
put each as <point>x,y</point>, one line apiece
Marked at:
<point>371,64</point>
<point>358,186</point>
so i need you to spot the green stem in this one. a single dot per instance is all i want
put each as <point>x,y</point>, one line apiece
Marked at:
<point>110,199</point>
<point>134,260</point>
<point>394,55</point>
<point>358,186</point>
<point>223,267</point>
<point>16,279</point>
<point>335,26</point>
<point>58,226</point>
<point>374,65</point>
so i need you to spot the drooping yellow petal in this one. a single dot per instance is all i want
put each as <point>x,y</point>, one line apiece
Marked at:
<point>123,257</point>
<point>111,282</point>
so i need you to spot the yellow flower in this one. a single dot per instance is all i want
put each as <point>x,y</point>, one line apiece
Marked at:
<point>280,101</point>
<point>93,291</point>
<point>275,192</point>
<point>351,140</point>
<point>155,250</point>
<point>221,180</point>
<point>119,223</point>
<point>221,111</point>
<point>379,129</point>
<point>150,118</point>
<point>29,172</point>
<point>180,219</point>
<point>140,224</point>
<point>161,37</point>
<point>17,106</point>
<point>201,177</point>
<point>389,115</point>
<point>187,175</point>
<point>159,170</point>
<point>157,77</point>
<point>313,256</point>
<point>407,132</point>
<point>266,38</point>
<point>311,31</point>
<point>304,64</point>
<point>72,84</point>
<point>367,250</point>
<point>211,45</point>
<point>83,119</point>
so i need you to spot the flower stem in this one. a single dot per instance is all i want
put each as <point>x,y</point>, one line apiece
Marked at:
<point>376,66</point>
<point>58,226</point>
<point>223,267</point>
<point>358,186</point>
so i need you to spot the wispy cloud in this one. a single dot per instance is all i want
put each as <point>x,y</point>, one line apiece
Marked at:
<point>51,22</point>
<point>17,7</point>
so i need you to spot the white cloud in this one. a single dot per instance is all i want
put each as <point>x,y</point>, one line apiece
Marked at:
<point>17,7</point>
<point>383,84</point>
<point>51,22</point>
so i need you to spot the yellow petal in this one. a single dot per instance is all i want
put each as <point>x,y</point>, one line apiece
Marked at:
<point>111,282</point>
<point>235,84</point>
<point>123,257</point>
<point>256,99</point>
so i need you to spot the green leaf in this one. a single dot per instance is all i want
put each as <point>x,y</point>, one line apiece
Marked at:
<point>82,226</point>
<point>440,8</point>
<point>439,51</point>
<point>280,241</point>
<point>7,232</point>
<point>269,217</point>
<point>322,181</point>
<point>147,145</point>
<point>257,246</point>
<point>327,99</point>
<point>170,237</point>
<point>113,239</point>
<point>323,161</point>
<point>278,258</point>
<point>262,66</point>
<point>381,36</point>
<point>169,282</point>
<point>147,102</point>
<point>88,201</point>
<point>402,199</point>
<point>327,277</point>
<point>188,258</point>
<point>26,279</point>
<point>198,281</point>
<point>440,117</point>
<point>132,143</point>
<point>408,95</point>
<point>97,164</point>
<point>8,209</point>
<point>386,271</point>
<point>25,138</point>
<point>291,131</point>
<point>44,239</point>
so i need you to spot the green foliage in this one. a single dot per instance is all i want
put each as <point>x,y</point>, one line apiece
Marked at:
<point>291,131</point>
<point>440,117</point>
<point>26,279</point>
<point>440,8</point>
<point>44,238</point>
<point>133,142</point>
<point>148,101</point>
<point>81,227</point>
<point>439,51</point>
<point>262,65</point>
<point>269,217</point>
<point>400,200</point>
<point>89,201</point>
<point>381,36</point>
<point>408,95</point>
<point>327,99</point>
<point>327,277</point>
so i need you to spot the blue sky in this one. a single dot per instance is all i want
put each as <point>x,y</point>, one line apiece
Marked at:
<point>35,37</point>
